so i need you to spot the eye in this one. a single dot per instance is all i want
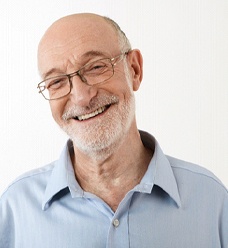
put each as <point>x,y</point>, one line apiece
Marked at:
<point>56,83</point>
<point>97,67</point>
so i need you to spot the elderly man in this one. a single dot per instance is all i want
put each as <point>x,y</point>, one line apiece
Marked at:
<point>112,185</point>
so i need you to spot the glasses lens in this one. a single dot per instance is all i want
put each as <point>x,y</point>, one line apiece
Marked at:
<point>97,71</point>
<point>56,87</point>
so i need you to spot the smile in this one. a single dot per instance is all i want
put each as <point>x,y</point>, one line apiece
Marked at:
<point>92,114</point>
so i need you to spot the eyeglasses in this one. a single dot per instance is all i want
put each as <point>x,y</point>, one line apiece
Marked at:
<point>93,73</point>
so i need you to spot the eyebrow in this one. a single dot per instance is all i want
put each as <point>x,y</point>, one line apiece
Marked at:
<point>48,73</point>
<point>87,55</point>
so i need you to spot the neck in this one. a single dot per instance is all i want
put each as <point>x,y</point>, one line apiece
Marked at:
<point>113,176</point>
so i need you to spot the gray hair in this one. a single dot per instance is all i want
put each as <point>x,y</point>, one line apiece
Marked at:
<point>123,40</point>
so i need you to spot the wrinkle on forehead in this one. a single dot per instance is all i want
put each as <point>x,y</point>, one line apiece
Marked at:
<point>75,61</point>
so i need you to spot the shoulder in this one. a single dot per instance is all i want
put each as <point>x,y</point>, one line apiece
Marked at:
<point>195,175</point>
<point>31,180</point>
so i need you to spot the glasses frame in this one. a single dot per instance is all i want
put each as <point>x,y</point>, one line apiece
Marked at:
<point>113,62</point>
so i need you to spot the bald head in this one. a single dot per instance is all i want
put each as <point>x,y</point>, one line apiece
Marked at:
<point>89,16</point>
<point>75,34</point>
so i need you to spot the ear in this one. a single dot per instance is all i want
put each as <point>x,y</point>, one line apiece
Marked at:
<point>135,62</point>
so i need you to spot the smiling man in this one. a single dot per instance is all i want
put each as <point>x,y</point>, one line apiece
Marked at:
<point>112,185</point>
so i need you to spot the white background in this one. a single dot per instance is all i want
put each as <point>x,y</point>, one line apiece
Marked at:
<point>183,100</point>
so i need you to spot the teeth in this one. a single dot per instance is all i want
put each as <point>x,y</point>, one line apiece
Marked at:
<point>96,112</point>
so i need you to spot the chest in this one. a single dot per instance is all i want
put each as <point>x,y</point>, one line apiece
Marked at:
<point>141,220</point>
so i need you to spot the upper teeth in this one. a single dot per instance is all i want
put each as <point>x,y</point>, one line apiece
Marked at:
<point>87,116</point>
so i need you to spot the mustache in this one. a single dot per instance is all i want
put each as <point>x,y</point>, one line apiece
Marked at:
<point>94,104</point>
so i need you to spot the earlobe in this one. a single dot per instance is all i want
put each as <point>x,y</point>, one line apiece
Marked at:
<point>136,67</point>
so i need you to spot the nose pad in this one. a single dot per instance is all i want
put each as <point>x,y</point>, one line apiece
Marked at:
<point>81,77</point>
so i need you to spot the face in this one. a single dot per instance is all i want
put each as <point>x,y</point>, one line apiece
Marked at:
<point>95,117</point>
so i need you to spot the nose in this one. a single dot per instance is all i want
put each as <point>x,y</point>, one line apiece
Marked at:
<point>81,93</point>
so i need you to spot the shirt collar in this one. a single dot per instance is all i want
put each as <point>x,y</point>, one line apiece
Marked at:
<point>158,173</point>
<point>62,177</point>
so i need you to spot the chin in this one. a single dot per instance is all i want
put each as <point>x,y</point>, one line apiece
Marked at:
<point>102,139</point>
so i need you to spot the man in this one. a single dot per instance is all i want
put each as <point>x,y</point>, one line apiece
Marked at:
<point>112,185</point>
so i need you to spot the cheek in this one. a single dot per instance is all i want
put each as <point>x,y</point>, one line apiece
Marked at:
<point>57,109</point>
<point>122,85</point>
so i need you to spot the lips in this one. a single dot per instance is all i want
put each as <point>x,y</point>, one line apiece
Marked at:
<point>96,107</point>
<point>92,114</point>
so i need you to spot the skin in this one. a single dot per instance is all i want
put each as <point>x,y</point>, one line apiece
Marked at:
<point>109,158</point>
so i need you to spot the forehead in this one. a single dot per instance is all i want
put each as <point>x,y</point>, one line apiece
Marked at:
<point>68,39</point>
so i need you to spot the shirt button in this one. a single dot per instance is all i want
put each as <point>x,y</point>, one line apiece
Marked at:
<point>116,223</point>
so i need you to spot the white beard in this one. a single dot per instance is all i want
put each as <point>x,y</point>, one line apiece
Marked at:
<point>102,138</point>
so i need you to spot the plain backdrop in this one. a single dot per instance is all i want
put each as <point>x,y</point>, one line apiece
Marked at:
<point>183,99</point>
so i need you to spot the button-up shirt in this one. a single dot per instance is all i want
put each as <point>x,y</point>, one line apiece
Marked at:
<point>176,205</point>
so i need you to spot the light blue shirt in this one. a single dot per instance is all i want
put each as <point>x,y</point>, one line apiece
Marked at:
<point>176,205</point>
